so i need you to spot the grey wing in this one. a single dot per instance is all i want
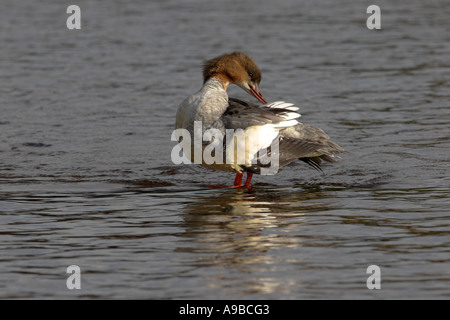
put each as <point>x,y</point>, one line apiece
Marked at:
<point>309,144</point>
<point>300,141</point>
<point>242,114</point>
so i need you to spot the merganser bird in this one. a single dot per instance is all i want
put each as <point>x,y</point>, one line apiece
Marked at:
<point>266,123</point>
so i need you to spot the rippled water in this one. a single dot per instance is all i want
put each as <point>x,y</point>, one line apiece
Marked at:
<point>86,176</point>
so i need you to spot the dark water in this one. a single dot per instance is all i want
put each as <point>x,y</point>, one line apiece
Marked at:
<point>86,177</point>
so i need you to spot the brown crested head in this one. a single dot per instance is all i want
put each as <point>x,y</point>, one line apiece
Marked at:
<point>237,68</point>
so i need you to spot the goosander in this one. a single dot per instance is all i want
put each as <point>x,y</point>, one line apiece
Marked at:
<point>269,122</point>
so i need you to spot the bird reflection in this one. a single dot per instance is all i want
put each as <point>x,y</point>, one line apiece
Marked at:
<point>242,229</point>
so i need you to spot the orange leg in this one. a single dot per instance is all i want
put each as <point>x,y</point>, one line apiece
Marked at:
<point>248,182</point>
<point>238,180</point>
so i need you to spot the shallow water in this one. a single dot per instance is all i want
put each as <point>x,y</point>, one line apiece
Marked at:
<point>86,176</point>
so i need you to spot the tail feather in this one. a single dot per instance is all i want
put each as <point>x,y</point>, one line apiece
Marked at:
<point>310,145</point>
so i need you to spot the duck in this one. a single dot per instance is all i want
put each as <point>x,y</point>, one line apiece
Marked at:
<point>264,124</point>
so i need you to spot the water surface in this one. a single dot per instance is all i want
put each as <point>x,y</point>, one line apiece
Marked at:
<point>86,176</point>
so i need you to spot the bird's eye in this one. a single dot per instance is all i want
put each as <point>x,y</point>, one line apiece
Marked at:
<point>250,75</point>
